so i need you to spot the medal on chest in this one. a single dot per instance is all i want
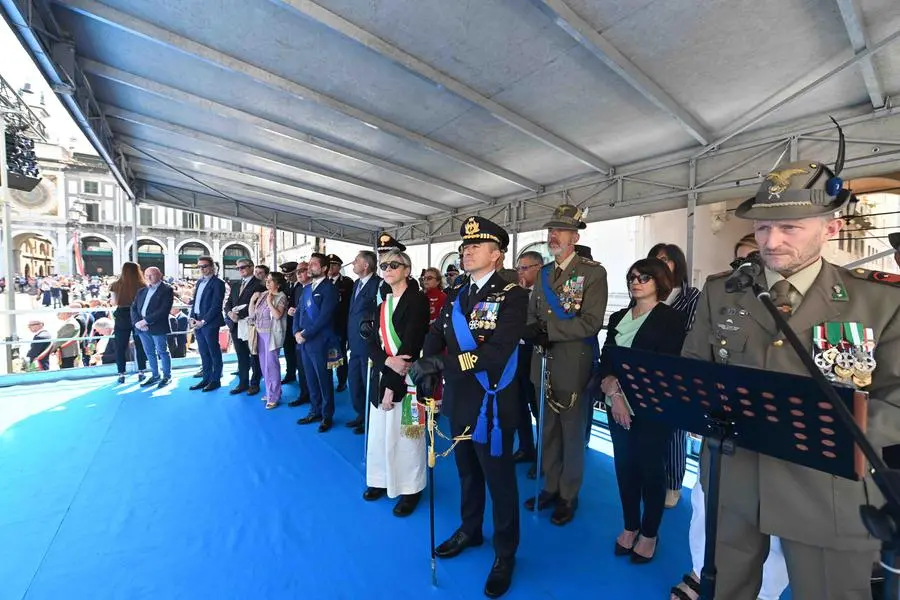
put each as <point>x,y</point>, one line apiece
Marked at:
<point>484,315</point>
<point>844,352</point>
<point>572,293</point>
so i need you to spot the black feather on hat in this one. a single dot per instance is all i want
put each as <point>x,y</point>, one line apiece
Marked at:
<point>386,243</point>
<point>799,190</point>
<point>894,239</point>
<point>288,267</point>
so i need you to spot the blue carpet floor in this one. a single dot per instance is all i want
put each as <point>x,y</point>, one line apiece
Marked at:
<point>110,491</point>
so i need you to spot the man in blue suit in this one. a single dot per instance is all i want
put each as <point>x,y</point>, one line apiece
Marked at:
<point>206,318</point>
<point>315,337</point>
<point>362,308</point>
<point>150,315</point>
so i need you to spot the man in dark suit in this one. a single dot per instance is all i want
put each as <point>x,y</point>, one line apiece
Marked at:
<point>528,269</point>
<point>237,309</point>
<point>39,352</point>
<point>314,333</point>
<point>178,326</point>
<point>480,326</point>
<point>344,287</point>
<point>206,319</point>
<point>295,303</point>
<point>150,315</point>
<point>289,269</point>
<point>362,308</point>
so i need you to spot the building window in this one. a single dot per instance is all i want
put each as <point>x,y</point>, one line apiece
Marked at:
<point>146,217</point>
<point>92,212</point>
<point>237,227</point>
<point>190,220</point>
<point>91,187</point>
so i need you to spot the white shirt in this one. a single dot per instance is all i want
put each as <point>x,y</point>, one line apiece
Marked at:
<point>199,292</point>
<point>316,281</point>
<point>481,282</point>
<point>361,283</point>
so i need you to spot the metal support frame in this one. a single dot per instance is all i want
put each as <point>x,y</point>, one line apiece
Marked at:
<point>158,89</point>
<point>725,173</point>
<point>275,241</point>
<point>856,31</point>
<point>8,256</point>
<point>691,222</point>
<point>311,10</point>
<point>163,37</point>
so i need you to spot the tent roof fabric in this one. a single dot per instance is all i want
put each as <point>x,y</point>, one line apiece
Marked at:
<point>341,119</point>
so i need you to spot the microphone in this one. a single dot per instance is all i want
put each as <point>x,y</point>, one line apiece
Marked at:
<point>745,271</point>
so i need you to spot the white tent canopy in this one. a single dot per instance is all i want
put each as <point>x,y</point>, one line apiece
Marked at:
<point>342,118</point>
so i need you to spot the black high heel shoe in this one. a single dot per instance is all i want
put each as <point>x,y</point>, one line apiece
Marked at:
<point>638,559</point>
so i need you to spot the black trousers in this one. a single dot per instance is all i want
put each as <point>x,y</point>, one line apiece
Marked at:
<point>245,361</point>
<point>301,371</point>
<point>356,381</point>
<point>479,470</point>
<point>290,355</point>
<point>122,330</point>
<point>640,458</point>
<point>528,397</point>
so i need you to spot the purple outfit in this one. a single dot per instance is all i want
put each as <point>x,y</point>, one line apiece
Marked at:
<point>268,359</point>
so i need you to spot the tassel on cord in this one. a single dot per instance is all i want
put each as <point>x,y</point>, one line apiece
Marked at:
<point>496,434</point>
<point>480,436</point>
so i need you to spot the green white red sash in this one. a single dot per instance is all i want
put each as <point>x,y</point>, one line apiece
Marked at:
<point>412,417</point>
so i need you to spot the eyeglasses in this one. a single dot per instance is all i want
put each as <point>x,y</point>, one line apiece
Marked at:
<point>204,265</point>
<point>242,267</point>
<point>642,278</point>
<point>523,268</point>
<point>428,278</point>
<point>393,265</point>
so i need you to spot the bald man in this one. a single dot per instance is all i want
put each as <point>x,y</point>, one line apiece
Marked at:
<point>150,315</point>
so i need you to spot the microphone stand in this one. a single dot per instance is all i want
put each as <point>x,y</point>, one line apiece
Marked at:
<point>882,523</point>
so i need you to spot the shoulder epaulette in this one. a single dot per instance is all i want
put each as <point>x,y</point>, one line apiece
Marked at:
<point>877,276</point>
<point>590,263</point>
<point>510,286</point>
<point>719,275</point>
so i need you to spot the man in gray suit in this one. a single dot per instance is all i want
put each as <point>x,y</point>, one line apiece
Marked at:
<point>836,312</point>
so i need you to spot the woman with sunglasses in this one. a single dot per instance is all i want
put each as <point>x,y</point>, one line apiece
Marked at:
<point>639,444</point>
<point>395,456</point>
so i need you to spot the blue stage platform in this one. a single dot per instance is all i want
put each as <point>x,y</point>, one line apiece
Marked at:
<point>110,491</point>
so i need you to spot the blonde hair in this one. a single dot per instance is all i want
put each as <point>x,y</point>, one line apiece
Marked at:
<point>396,255</point>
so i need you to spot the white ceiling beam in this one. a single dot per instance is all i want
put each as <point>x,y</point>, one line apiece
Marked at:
<point>228,186</point>
<point>278,159</point>
<point>164,37</point>
<point>791,92</point>
<point>154,87</point>
<point>201,167</point>
<point>209,204</point>
<point>584,33</point>
<point>311,10</point>
<point>856,31</point>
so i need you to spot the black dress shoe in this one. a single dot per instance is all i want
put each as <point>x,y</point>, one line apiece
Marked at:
<point>359,430</point>
<point>522,456</point>
<point>198,374</point>
<point>564,511</point>
<point>373,493</point>
<point>152,381</point>
<point>325,425</point>
<point>500,577</point>
<point>253,390</point>
<point>288,380</point>
<point>406,505</point>
<point>299,401</point>
<point>458,542</point>
<point>211,387</point>
<point>309,419</point>
<point>341,387</point>
<point>532,471</point>
<point>238,390</point>
<point>355,422</point>
<point>545,500</point>
<point>199,386</point>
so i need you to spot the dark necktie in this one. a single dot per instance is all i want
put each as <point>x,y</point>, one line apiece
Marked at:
<point>785,297</point>
<point>557,273</point>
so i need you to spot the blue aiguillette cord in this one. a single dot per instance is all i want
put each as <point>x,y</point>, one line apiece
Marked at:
<point>467,343</point>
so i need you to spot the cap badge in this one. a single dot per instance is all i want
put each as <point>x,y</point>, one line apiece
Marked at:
<point>472,226</point>
<point>781,180</point>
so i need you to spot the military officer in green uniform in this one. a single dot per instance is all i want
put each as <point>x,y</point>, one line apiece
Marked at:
<point>565,315</point>
<point>849,321</point>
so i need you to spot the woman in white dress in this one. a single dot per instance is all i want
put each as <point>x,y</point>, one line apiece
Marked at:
<point>395,457</point>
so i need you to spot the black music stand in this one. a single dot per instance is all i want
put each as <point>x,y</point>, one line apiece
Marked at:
<point>776,414</point>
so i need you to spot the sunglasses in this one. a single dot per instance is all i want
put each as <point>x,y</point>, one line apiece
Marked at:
<point>642,278</point>
<point>393,265</point>
<point>204,265</point>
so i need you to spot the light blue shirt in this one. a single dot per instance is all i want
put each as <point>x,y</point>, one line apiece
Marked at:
<point>150,291</point>
<point>481,282</point>
<point>200,287</point>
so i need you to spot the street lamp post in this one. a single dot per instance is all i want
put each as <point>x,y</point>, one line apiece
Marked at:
<point>77,218</point>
